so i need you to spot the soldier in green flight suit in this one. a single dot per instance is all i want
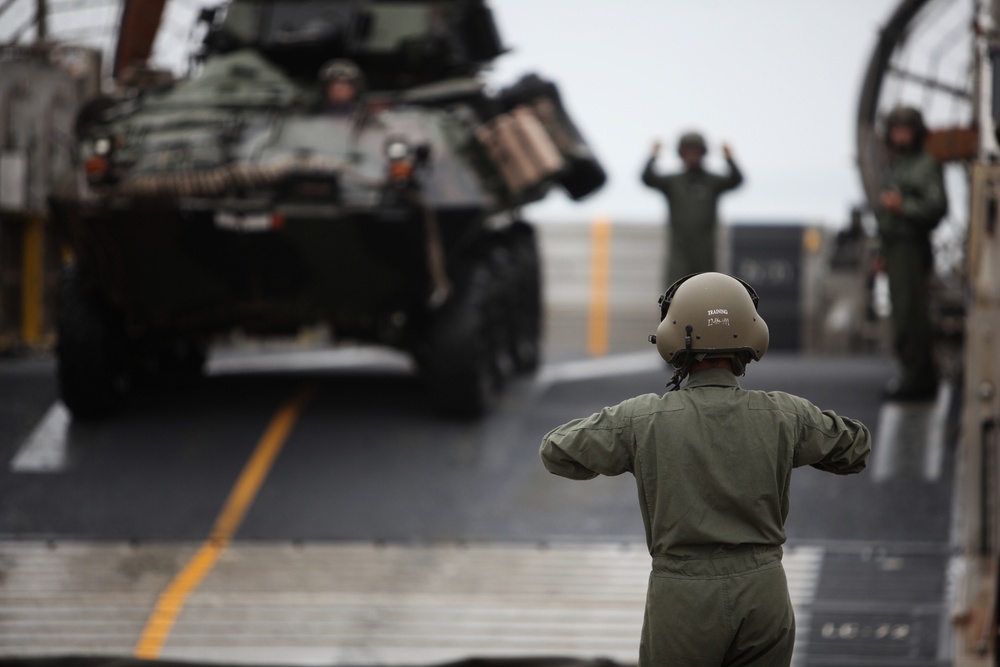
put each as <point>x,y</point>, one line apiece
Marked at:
<point>910,206</point>
<point>692,199</point>
<point>712,464</point>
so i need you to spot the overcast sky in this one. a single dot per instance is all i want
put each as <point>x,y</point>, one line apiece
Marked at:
<point>778,79</point>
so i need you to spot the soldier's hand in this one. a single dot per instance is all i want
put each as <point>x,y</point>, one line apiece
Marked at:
<point>891,200</point>
<point>656,148</point>
<point>727,152</point>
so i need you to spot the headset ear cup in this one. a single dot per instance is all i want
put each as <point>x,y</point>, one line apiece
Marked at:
<point>750,291</point>
<point>664,303</point>
<point>667,297</point>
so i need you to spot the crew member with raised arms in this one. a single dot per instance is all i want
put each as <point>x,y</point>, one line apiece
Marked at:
<point>692,202</point>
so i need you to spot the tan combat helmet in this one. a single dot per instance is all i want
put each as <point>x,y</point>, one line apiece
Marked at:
<point>708,315</point>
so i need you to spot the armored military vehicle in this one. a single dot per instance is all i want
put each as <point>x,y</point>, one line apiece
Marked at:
<point>244,197</point>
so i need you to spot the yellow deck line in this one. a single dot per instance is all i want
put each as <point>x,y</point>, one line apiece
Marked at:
<point>600,271</point>
<point>171,601</point>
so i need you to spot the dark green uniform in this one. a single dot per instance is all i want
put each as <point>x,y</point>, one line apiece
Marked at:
<point>692,200</point>
<point>906,247</point>
<point>712,464</point>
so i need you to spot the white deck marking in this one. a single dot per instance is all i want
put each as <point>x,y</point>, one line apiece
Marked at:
<point>44,450</point>
<point>333,603</point>
<point>256,359</point>
<point>600,367</point>
<point>910,440</point>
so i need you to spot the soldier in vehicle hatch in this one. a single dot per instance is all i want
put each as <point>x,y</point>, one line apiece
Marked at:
<point>692,199</point>
<point>343,84</point>
<point>911,204</point>
<point>712,463</point>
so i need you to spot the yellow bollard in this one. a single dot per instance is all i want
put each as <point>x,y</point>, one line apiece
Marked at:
<point>32,280</point>
<point>600,276</point>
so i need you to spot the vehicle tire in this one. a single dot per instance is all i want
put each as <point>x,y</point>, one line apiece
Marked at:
<point>458,357</point>
<point>526,313</point>
<point>503,307</point>
<point>91,370</point>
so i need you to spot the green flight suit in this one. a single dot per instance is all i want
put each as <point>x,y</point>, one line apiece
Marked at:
<point>692,202</point>
<point>712,464</point>
<point>909,260</point>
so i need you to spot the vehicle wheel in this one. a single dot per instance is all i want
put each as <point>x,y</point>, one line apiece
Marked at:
<point>91,368</point>
<point>503,308</point>
<point>458,357</point>
<point>526,312</point>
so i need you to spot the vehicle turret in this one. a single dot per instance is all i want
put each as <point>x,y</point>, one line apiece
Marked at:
<point>397,44</point>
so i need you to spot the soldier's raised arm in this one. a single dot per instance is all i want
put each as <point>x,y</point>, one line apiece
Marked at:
<point>601,444</point>
<point>649,175</point>
<point>831,443</point>
<point>734,178</point>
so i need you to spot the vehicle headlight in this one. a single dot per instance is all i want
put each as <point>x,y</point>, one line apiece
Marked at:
<point>98,165</point>
<point>396,149</point>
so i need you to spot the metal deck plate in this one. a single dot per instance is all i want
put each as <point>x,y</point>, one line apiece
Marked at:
<point>342,604</point>
<point>881,605</point>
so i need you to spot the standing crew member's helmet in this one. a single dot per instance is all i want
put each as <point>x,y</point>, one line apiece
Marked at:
<point>692,140</point>
<point>909,117</point>
<point>706,315</point>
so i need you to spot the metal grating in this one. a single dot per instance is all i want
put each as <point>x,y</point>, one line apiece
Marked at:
<point>343,603</point>
<point>881,606</point>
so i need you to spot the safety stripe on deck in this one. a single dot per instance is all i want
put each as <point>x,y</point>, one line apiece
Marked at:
<point>44,450</point>
<point>344,603</point>
<point>911,438</point>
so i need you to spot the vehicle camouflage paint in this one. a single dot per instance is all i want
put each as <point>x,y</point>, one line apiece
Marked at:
<point>234,199</point>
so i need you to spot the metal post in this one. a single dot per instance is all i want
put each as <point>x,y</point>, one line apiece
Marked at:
<point>42,20</point>
<point>32,280</point>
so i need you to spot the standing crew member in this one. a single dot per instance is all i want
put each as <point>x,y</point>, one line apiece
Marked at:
<point>692,202</point>
<point>911,205</point>
<point>712,464</point>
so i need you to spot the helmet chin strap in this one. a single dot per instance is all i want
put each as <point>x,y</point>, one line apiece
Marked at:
<point>685,367</point>
<point>739,365</point>
<point>679,376</point>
